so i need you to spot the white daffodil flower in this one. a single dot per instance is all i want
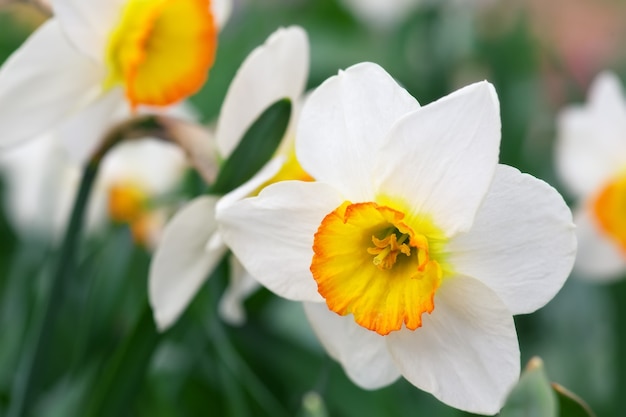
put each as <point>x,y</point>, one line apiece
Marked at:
<point>133,177</point>
<point>591,160</point>
<point>191,246</point>
<point>40,183</point>
<point>413,247</point>
<point>93,56</point>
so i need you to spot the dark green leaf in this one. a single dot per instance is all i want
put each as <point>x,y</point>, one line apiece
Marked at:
<point>570,405</point>
<point>124,373</point>
<point>256,147</point>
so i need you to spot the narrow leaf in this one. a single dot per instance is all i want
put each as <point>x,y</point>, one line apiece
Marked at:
<point>256,147</point>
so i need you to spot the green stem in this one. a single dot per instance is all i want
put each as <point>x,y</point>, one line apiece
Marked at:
<point>619,293</point>
<point>27,383</point>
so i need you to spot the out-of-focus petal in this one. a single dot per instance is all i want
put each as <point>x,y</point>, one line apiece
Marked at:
<point>221,11</point>
<point>155,165</point>
<point>85,130</point>
<point>240,286</point>
<point>343,124</point>
<point>466,352</point>
<point>441,158</point>
<point>599,258</point>
<point>277,69</point>
<point>272,234</point>
<point>88,24</point>
<point>591,144</point>
<point>362,353</point>
<point>42,83</point>
<point>522,244</point>
<point>183,260</point>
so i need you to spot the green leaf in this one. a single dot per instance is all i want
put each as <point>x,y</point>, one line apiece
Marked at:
<point>124,373</point>
<point>256,147</point>
<point>570,405</point>
<point>533,395</point>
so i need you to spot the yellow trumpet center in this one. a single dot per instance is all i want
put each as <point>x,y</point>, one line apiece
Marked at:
<point>369,262</point>
<point>161,50</point>
<point>291,170</point>
<point>609,208</point>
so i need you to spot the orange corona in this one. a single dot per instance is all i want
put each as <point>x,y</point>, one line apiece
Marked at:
<point>367,261</point>
<point>161,50</point>
<point>609,208</point>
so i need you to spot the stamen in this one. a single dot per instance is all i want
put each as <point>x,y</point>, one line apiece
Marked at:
<point>388,248</point>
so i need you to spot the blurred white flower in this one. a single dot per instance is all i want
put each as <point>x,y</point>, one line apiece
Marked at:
<point>92,57</point>
<point>413,247</point>
<point>591,160</point>
<point>388,13</point>
<point>41,182</point>
<point>40,186</point>
<point>191,246</point>
<point>133,177</point>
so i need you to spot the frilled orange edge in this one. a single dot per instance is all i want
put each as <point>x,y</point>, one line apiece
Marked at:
<point>161,50</point>
<point>609,208</point>
<point>367,261</point>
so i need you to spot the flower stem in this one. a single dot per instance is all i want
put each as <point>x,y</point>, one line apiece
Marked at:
<point>619,292</point>
<point>27,382</point>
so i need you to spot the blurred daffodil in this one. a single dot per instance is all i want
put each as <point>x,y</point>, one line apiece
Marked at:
<point>42,181</point>
<point>191,245</point>
<point>591,158</point>
<point>413,247</point>
<point>91,57</point>
<point>134,176</point>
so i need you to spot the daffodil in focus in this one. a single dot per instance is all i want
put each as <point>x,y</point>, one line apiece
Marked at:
<point>591,159</point>
<point>191,246</point>
<point>413,248</point>
<point>77,69</point>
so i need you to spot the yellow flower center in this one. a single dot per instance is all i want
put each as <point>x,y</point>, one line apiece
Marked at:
<point>161,50</point>
<point>291,170</point>
<point>370,262</point>
<point>129,204</point>
<point>609,208</point>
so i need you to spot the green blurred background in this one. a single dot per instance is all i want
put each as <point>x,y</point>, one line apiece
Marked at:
<point>540,55</point>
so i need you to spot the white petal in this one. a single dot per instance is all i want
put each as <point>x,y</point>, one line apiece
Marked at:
<point>362,353</point>
<point>343,124</point>
<point>181,262</point>
<point>240,286</point>
<point>83,133</point>
<point>155,165</point>
<point>591,142</point>
<point>441,158</point>
<point>466,352</point>
<point>272,234</point>
<point>522,244</point>
<point>598,257</point>
<point>42,83</point>
<point>89,24</point>
<point>38,187</point>
<point>221,11</point>
<point>277,69</point>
